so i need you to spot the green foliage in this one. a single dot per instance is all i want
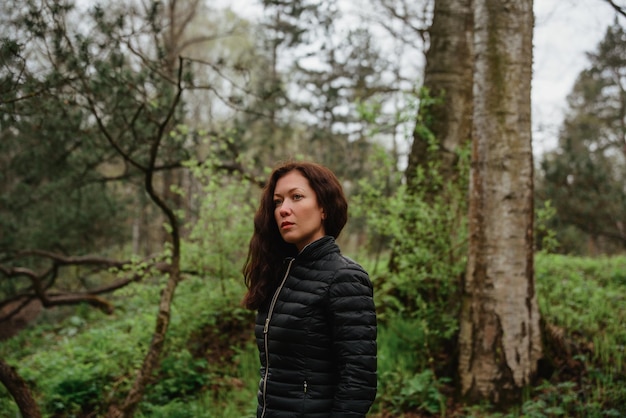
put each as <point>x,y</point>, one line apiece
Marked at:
<point>419,391</point>
<point>404,384</point>
<point>78,395</point>
<point>564,400</point>
<point>226,208</point>
<point>583,299</point>
<point>544,235</point>
<point>181,376</point>
<point>334,92</point>
<point>54,164</point>
<point>417,297</point>
<point>50,195</point>
<point>427,234</point>
<point>87,358</point>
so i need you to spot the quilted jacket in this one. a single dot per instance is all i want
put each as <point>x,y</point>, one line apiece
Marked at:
<point>317,338</point>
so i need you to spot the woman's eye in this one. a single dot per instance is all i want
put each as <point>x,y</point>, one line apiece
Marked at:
<point>277,202</point>
<point>297,196</point>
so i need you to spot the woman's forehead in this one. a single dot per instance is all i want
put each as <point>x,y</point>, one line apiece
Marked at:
<point>290,181</point>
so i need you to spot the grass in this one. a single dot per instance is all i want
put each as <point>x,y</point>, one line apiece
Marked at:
<point>585,298</point>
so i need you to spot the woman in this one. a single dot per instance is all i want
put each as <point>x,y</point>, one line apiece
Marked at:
<point>316,321</point>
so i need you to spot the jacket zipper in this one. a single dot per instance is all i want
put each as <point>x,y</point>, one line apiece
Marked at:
<point>266,329</point>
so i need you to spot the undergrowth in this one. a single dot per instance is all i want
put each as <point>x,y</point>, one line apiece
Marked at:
<point>83,362</point>
<point>210,364</point>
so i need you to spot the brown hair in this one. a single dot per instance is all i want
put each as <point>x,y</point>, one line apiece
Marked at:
<point>267,248</point>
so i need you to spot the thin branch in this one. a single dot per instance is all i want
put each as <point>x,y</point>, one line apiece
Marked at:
<point>234,84</point>
<point>618,9</point>
<point>169,213</point>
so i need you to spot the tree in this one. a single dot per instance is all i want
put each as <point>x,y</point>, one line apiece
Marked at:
<point>107,105</point>
<point>584,176</point>
<point>50,198</point>
<point>499,339</point>
<point>137,134</point>
<point>319,73</point>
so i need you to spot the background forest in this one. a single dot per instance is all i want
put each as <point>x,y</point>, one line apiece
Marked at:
<point>135,137</point>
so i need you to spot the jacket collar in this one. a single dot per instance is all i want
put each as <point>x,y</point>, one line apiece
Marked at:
<point>318,249</point>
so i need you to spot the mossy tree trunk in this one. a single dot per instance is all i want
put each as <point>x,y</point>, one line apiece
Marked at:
<point>500,341</point>
<point>446,120</point>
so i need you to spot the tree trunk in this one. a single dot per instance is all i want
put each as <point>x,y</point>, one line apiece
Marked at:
<point>500,341</point>
<point>19,390</point>
<point>446,121</point>
<point>447,76</point>
<point>152,358</point>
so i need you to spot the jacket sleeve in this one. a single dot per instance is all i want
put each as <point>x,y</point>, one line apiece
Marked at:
<point>353,320</point>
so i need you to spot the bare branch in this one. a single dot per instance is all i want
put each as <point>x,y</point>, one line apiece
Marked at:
<point>78,298</point>
<point>619,9</point>
<point>228,102</point>
<point>40,290</point>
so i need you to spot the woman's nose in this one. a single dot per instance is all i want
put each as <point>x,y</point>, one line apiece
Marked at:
<point>285,209</point>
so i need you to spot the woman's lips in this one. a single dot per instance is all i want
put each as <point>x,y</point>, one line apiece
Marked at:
<point>286,225</point>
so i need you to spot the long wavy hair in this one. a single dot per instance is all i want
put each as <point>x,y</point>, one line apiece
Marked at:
<point>267,248</point>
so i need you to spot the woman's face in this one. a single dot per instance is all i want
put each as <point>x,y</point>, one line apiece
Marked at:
<point>298,215</point>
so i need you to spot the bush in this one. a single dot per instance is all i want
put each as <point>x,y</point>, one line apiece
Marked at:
<point>428,237</point>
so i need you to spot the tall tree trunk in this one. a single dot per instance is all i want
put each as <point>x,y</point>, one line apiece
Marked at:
<point>448,77</point>
<point>500,339</point>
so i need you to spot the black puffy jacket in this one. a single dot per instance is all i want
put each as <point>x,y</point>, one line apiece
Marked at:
<point>317,338</point>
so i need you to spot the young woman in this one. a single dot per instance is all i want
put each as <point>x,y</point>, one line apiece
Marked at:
<point>316,320</point>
